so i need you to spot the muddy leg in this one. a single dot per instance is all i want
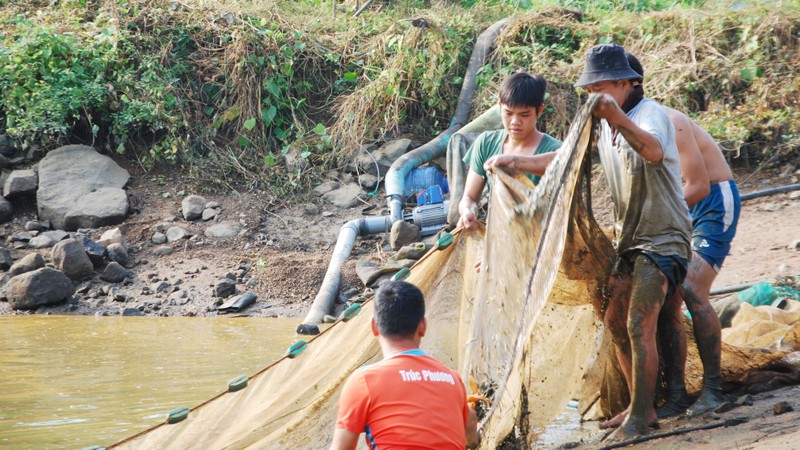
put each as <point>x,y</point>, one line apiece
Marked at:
<point>648,290</point>
<point>616,320</point>
<point>672,337</point>
<point>706,331</point>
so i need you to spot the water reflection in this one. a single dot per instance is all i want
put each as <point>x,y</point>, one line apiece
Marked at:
<point>75,381</point>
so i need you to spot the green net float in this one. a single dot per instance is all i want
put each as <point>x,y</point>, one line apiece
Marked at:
<point>444,241</point>
<point>351,311</point>
<point>402,274</point>
<point>296,348</point>
<point>238,383</point>
<point>178,414</point>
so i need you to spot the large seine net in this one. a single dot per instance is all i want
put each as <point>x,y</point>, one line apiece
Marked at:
<point>525,331</point>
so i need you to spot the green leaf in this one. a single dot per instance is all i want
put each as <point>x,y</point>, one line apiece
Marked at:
<point>249,124</point>
<point>269,160</point>
<point>320,130</point>
<point>243,141</point>
<point>350,76</point>
<point>269,114</point>
<point>305,154</point>
<point>280,133</point>
<point>208,110</point>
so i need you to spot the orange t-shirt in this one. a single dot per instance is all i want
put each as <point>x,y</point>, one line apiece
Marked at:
<point>407,401</point>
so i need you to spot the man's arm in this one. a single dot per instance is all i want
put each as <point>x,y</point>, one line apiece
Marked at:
<point>471,430</point>
<point>534,164</point>
<point>644,143</point>
<point>468,207</point>
<point>344,440</point>
<point>696,183</point>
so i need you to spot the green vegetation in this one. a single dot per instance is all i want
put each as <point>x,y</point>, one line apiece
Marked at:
<point>271,93</point>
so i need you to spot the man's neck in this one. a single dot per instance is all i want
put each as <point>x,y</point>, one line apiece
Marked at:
<point>391,346</point>
<point>524,146</point>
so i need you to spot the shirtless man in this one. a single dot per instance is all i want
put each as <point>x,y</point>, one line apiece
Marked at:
<point>713,199</point>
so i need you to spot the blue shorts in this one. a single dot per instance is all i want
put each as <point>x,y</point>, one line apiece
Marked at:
<point>714,221</point>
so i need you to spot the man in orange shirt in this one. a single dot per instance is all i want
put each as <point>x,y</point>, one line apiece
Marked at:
<point>409,400</point>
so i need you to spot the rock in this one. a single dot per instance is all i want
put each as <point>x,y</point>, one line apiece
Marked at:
<point>192,207</point>
<point>344,197</point>
<point>222,230</point>
<point>224,287</point>
<point>44,286</point>
<point>131,312</point>
<point>94,251</point>
<point>118,253</point>
<point>326,187</point>
<point>327,213</point>
<point>22,236</point>
<point>159,238</point>
<point>6,210</point>
<point>98,208</point>
<point>725,407</point>
<point>368,181</point>
<point>19,183</point>
<point>781,408</point>
<point>34,225</point>
<point>307,329</point>
<point>177,233</point>
<point>5,259</point>
<point>28,263</point>
<point>209,213</point>
<point>384,156</point>
<point>411,251</point>
<point>69,257</point>
<point>769,207</point>
<point>115,273</point>
<point>213,205</point>
<point>7,146</point>
<point>112,236</point>
<point>68,173</point>
<point>403,233</point>
<point>55,235</point>
<point>163,250</point>
<point>795,245</point>
<point>41,241</point>
<point>795,195</point>
<point>745,400</point>
<point>310,209</point>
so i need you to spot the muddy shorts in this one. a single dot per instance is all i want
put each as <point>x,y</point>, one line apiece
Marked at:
<point>714,221</point>
<point>673,267</point>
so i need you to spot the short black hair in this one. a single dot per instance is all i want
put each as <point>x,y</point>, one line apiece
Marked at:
<point>635,65</point>
<point>399,308</point>
<point>523,89</point>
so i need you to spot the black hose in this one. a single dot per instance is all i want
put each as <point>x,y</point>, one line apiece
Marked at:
<point>772,191</point>
<point>723,423</point>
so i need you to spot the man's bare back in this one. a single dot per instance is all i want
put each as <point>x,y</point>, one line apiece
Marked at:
<point>715,163</point>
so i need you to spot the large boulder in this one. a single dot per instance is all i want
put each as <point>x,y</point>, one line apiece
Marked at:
<point>43,286</point>
<point>70,257</point>
<point>28,263</point>
<point>68,174</point>
<point>105,206</point>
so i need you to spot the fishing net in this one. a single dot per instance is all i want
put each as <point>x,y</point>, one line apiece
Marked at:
<point>525,330</point>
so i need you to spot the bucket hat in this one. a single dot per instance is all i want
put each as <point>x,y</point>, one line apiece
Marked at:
<point>606,62</point>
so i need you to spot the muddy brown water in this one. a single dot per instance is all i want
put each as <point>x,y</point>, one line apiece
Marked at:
<point>77,381</point>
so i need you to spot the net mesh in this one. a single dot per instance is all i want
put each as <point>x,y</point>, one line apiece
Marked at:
<point>524,331</point>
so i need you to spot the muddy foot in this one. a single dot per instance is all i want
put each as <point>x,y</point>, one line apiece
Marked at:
<point>674,406</point>
<point>708,401</point>
<point>615,421</point>
<point>626,432</point>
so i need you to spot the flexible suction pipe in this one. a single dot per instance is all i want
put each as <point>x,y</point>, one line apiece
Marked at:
<point>330,284</point>
<point>395,177</point>
<point>395,187</point>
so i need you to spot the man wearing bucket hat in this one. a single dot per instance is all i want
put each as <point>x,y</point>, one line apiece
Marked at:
<point>652,225</point>
<point>714,204</point>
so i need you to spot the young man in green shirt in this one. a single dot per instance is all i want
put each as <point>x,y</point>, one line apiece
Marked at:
<point>521,104</point>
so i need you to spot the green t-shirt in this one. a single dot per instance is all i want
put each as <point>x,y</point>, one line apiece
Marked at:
<point>490,143</point>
